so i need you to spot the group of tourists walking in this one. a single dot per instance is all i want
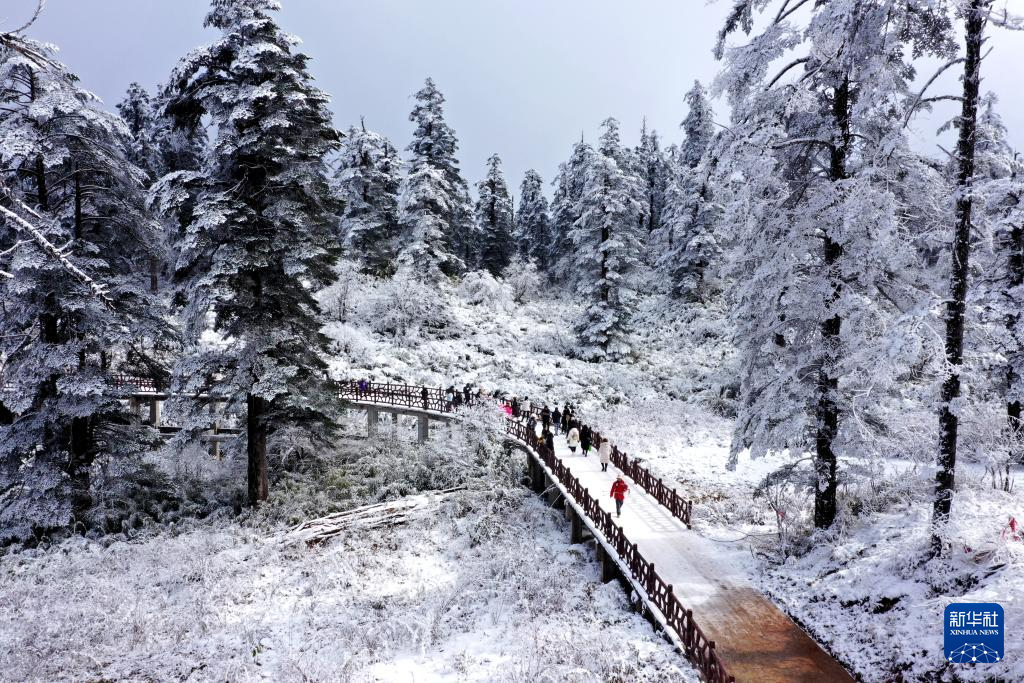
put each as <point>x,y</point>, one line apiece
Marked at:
<point>577,435</point>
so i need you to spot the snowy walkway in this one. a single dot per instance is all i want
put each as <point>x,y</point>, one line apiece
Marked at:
<point>755,639</point>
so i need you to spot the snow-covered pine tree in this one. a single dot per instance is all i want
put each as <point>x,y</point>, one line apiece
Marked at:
<point>653,169</point>
<point>566,209</point>
<point>812,158</point>
<point>139,115</point>
<point>690,241</point>
<point>533,222</point>
<point>438,234</point>
<point>494,219</point>
<point>606,241</point>
<point>67,162</point>
<point>367,182</point>
<point>262,237</point>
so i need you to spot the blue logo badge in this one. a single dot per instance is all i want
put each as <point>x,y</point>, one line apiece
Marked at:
<point>974,633</point>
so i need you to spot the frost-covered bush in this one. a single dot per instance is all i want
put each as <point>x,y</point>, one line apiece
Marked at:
<point>481,288</point>
<point>407,310</point>
<point>522,279</point>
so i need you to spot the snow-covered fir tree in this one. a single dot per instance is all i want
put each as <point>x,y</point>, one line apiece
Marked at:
<point>438,233</point>
<point>533,222</point>
<point>367,183</point>
<point>566,209</point>
<point>67,171</point>
<point>653,169</point>
<point>813,155</point>
<point>690,242</point>
<point>262,237</point>
<point>606,243</point>
<point>494,219</point>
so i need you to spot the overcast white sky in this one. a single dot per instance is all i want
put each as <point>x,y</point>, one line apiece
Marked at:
<point>523,78</point>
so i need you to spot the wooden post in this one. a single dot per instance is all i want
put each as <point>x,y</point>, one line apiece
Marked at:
<point>575,525</point>
<point>554,495</point>
<point>422,429</point>
<point>609,570</point>
<point>371,422</point>
<point>394,418</point>
<point>154,411</point>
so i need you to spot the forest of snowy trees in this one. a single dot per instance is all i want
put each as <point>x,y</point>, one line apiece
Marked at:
<point>871,291</point>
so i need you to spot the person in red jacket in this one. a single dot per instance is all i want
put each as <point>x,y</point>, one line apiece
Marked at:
<point>619,489</point>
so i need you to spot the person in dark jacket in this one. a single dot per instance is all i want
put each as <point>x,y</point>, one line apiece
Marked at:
<point>556,419</point>
<point>467,393</point>
<point>566,419</point>
<point>515,407</point>
<point>545,416</point>
<point>586,439</point>
<point>549,439</point>
<point>425,395</point>
<point>531,424</point>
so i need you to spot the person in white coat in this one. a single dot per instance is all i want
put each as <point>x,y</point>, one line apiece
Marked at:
<point>573,439</point>
<point>604,452</point>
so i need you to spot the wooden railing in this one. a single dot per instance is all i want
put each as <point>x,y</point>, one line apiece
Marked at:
<point>697,647</point>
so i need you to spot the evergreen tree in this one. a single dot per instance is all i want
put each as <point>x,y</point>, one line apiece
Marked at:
<point>494,219</point>
<point>367,184</point>
<point>261,240</point>
<point>138,113</point>
<point>606,243</point>
<point>438,232</point>
<point>68,173</point>
<point>653,169</point>
<point>690,242</point>
<point>812,160</point>
<point>533,222</point>
<point>566,209</point>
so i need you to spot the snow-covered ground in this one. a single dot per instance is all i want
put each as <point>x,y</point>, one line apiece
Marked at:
<point>480,587</point>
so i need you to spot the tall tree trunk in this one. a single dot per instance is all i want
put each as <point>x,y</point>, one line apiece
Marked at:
<point>945,477</point>
<point>257,449</point>
<point>1015,266</point>
<point>827,411</point>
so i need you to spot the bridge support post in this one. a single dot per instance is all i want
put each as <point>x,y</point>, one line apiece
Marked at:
<point>554,495</point>
<point>155,407</point>
<point>422,429</point>
<point>394,418</point>
<point>133,405</point>
<point>536,476</point>
<point>371,422</point>
<point>575,525</point>
<point>609,570</point>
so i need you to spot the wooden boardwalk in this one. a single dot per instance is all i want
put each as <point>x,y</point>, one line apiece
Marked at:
<point>755,639</point>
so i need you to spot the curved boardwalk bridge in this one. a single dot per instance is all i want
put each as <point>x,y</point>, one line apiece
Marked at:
<point>708,608</point>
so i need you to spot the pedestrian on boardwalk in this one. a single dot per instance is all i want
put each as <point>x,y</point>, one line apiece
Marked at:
<point>556,419</point>
<point>619,489</point>
<point>425,395</point>
<point>449,399</point>
<point>566,418</point>
<point>549,439</point>
<point>604,451</point>
<point>526,404</point>
<point>586,439</point>
<point>531,424</point>
<point>573,439</point>
<point>457,395</point>
<point>467,393</point>
<point>515,407</point>
<point>545,417</point>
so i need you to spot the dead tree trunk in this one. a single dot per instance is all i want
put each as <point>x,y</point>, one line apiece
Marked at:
<point>945,477</point>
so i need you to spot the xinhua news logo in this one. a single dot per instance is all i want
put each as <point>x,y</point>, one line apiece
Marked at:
<point>974,633</point>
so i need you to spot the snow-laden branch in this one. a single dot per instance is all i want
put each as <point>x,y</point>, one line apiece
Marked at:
<point>22,225</point>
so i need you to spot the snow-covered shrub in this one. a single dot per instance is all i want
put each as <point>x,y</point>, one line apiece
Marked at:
<point>338,299</point>
<point>480,287</point>
<point>523,279</point>
<point>405,308</point>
